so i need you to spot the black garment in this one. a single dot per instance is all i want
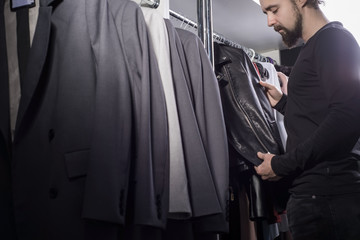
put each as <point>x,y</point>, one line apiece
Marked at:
<point>23,40</point>
<point>251,126</point>
<point>304,212</point>
<point>263,72</point>
<point>322,115</point>
<point>249,118</point>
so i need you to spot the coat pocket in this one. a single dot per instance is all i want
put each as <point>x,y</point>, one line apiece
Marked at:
<point>76,163</point>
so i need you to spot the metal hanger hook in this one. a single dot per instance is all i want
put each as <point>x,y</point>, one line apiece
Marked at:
<point>150,3</point>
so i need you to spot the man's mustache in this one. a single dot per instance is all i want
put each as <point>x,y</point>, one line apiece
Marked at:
<point>277,28</point>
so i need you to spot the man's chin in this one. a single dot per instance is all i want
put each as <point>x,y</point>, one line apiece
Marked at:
<point>289,43</point>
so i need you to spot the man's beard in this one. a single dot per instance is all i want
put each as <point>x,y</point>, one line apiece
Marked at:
<point>290,37</point>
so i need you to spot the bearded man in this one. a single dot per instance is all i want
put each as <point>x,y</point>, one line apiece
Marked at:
<point>322,118</point>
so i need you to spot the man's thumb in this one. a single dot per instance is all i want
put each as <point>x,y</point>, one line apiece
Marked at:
<point>260,155</point>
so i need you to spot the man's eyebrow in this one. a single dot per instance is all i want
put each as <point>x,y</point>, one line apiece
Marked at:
<point>269,7</point>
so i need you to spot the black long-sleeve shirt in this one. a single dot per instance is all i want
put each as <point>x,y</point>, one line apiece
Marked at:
<point>322,115</point>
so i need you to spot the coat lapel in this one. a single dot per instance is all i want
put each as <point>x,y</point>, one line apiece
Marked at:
<point>36,61</point>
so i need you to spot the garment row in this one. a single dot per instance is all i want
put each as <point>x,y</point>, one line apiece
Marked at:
<point>120,123</point>
<point>122,130</point>
<point>252,126</point>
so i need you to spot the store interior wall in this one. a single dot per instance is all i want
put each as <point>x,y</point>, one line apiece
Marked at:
<point>241,21</point>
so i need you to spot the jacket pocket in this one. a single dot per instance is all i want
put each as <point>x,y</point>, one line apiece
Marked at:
<point>76,163</point>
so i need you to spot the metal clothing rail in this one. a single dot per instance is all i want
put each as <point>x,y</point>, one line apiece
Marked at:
<point>150,3</point>
<point>205,26</point>
<point>219,38</point>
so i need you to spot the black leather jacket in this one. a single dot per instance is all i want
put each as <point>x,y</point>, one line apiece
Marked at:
<point>249,118</point>
<point>251,127</point>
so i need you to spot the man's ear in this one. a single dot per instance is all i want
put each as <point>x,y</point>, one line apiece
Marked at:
<point>302,3</point>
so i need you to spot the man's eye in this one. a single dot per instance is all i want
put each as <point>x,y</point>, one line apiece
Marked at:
<point>275,11</point>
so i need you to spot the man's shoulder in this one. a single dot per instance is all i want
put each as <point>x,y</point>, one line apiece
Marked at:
<point>334,31</point>
<point>334,36</point>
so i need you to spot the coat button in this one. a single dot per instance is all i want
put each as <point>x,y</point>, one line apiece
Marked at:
<point>51,134</point>
<point>53,192</point>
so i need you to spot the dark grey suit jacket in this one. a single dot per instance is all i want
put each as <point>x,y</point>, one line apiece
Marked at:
<point>6,211</point>
<point>202,127</point>
<point>91,125</point>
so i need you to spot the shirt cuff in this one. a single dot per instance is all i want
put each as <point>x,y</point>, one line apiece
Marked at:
<point>277,166</point>
<point>280,106</point>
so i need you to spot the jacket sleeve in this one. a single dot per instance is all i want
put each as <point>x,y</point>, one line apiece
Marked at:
<point>281,105</point>
<point>210,120</point>
<point>151,165</point>
<point>130,131</point>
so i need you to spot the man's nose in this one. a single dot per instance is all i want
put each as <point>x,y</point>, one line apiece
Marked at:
<point>271,20</point>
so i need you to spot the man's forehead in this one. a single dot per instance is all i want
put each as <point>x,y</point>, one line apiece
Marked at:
<point>267,4</point>
<point>272,2</point>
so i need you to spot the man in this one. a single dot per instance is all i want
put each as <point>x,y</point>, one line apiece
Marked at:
<point>322,119</point>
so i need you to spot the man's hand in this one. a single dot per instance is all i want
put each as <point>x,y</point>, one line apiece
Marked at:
<point>264,169</point>
<point>284,81</point>
<point>273,94</point>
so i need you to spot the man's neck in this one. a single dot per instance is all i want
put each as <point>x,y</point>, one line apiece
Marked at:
<point>313,21</point>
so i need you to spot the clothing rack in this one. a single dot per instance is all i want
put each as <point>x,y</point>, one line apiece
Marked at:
<point>219,38</point>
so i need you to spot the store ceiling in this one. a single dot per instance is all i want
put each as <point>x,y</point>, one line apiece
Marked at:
<point>241,21</point>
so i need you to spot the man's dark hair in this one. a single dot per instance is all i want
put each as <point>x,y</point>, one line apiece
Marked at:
<point>314,3</point>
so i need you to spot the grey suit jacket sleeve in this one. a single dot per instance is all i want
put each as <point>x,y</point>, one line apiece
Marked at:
<point>204,198</point>
<point>151,174</point>
<point>130,120</point>
<point>209,112</point>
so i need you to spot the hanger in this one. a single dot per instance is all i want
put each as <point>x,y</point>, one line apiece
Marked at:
<point>186,25</point>
<point>252,54</point>
<point>150,3</point>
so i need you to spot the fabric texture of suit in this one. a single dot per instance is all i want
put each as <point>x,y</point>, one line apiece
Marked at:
<point>198,99</point>
<point>210,118</point>
<point>91,125</point>
<point>179,200</point>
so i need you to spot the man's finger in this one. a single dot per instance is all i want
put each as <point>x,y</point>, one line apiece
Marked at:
<point>264,84</point>
<point>260,155</point>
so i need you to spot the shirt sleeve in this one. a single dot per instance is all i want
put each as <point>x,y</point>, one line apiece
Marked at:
<point>337,61</point>
<point>281,105</point>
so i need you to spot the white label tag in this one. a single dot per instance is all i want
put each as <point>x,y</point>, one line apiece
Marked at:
<point>22,3</point>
